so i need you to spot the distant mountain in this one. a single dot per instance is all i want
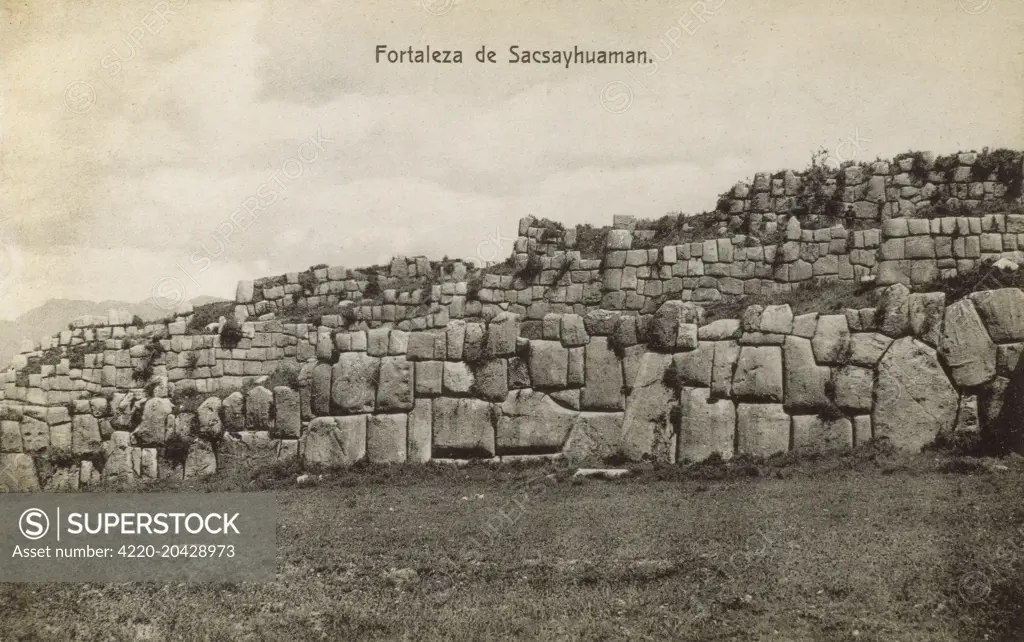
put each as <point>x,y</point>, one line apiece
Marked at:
<point>55,315</point>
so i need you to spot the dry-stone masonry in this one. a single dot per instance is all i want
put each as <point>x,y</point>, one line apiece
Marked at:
<point>554,354</point>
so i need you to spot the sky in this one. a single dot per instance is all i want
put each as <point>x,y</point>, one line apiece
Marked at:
<point>171,148</point>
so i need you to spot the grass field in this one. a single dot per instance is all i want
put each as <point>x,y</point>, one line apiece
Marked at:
<point>867,546</point>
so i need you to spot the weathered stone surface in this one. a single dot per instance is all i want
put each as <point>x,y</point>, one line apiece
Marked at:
<point>429,375</point>
<point>600,322</point>
<point>966,346</point>
<point>335,441</point>
<point>18,474</point>
<point>925,310</point>
<point>726,355</point>
<point>705,426</point>
<point>386,437</point>
<point>531,422</point>
<point>152,430</point>
<point>777,319</point>
<point>967,415</point>
<point>805,381</point>
<point>457,378</point>
<point>420,433</point>
<point>831,342</point>
<point>566,398</point>
<point>259,406</point>
<point>594,436</point>
<point>320,390</point>
<point>233,411</point>
<point>646,428</point>
<point>455,338</point>
<point>200,461</point>
<point>243,448</point>
<point>208,423</point>
<point>1003,313</point>
<point>85,435</point>
<point>463,427</point>
<point>395,392</point>
<point>354,383</point>
<point>573,331</point>
<point>861,430</point>
<point>502,332</point>
<point>117,467</point>
<point>10,436</point>
<point>549,364</point>
<point>812,433</point>
<point>35,435</point>
<point>576,374</point>
<point>604,377</point>
<point>853,388</point>
<point>758,374</point>
<point>664,328</point>
<point>913,401</point>
<point>694,368</point>
<point>866,348</point>
<point>894,310</point>
<point>762,429</point>
<point>491,380</point>
<point>804,325</point>
<point>287,422</point>
<point>719,330</point>
<point>1008,358</point>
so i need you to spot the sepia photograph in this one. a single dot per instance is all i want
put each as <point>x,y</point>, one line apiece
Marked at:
<point>691,320</point>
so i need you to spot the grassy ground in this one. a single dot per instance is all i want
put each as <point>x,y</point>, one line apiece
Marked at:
<point>869,546</point>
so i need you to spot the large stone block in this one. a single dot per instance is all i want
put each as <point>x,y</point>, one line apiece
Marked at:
<point>208,423</point>
<point>604,377</point>
<point>758,374</point>
<point>320,396</point>
<point>457,378</point>
<point>762,429</point>
<point>395,392</point>
<point>812,433</point>
<point>429,375</point>
<point>805,382</point>
<point>966,346</point>
<point>335,441</point>
<point>726,355</point>
<point>573,331</point>
<point>705,426</point>
<point>18,474</point>
<point>200,461</point>
<point>502,332</point>
<point>233,412</point>
<point>1003,313</point>
<point>693,368</point>
<point>894,310</point>
<point>866,348</point>
<point>463,428</point>
<point>647,431</point>
<point>117,467</point>
<point>85,435</point>
<point>531,422</point>
<point>152,430</point>
<point>853,388</point>
<point>354,383</point>
<point>259,410</point>
<point>420,432</point>
<point>777,319</point>
<point>925,310</point>
<point>594,437</point>
<point>912,400</point>
<point>831,342</point>
<point>386,438</point>
<point>287,421</point>
<point>10,437</point>
<point>491,380</point>
<point>549,364</point>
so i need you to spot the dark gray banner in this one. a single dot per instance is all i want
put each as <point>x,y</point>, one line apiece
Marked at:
<point>123,537</point>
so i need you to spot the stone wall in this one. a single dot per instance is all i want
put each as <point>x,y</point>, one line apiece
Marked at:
<point>551,354</point>
<point>668,386</point>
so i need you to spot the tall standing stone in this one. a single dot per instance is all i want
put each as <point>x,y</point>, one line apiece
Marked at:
<point>913,401</point>
<point>354,382</point>
<point>966,346</point>
<point>603,390</point>
<point>705,426</point>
